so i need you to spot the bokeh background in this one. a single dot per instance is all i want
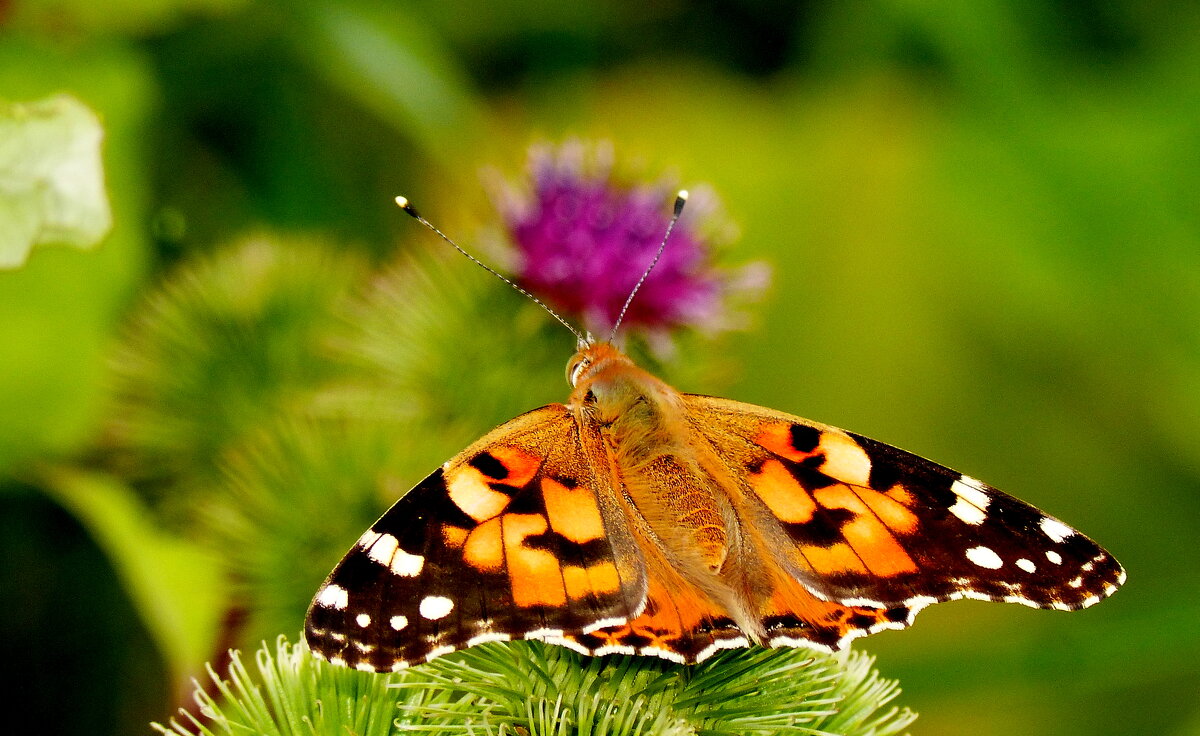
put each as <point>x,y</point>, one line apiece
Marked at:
<point>981,217</point>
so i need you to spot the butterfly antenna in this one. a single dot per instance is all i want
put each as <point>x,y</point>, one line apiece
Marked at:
<point>680,201</point>
<point>407,207</point>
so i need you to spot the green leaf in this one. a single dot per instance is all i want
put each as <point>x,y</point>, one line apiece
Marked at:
<point>173,583</point>
<point>51,178</point>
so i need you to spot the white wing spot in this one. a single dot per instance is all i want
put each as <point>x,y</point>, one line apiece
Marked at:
<point>435,653</point>
<point>867,602</point>
<point>333,596</point>
<point>363,620</point>
<point>406,565</point>
<point>488,636</point>
<point>399,622</point>
<point>543,633</point>
<point>1026,565</point>
<point>385,549</point>
<point>666,654</point>
<point>613,649</point>
<point>985,557</point>
<point>1021,600</point>
<point>603,623</point>
<point>568,643</point>
<point>1054,557</point>
<point>1076,582</point>
<point>1055,529</point>
<point>434,607</point>
<point>736,642</point>
<point>971,506</point>
<point>382,549</point>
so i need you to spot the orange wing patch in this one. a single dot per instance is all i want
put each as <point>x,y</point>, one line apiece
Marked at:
<point>872,542</point>
<point>484,547</point>
<point>776,488</point>
<point>815,481</point>
<point>679,625</point>
<point>537,526</point>
<point>598,580</point>
<point>481,486</point>
<point>534,574</point>
<point>842,458</point>
<point>891,507</point>
<point>573,512</point>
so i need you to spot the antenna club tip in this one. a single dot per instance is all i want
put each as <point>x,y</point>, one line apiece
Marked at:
<point>680,200</point>
<point>404,204</point>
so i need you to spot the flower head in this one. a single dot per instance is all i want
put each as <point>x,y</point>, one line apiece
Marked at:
<point>584,239</point>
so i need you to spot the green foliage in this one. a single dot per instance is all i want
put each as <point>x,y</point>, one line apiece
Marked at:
<point>225,345</point>
<point>117,17</point>
<point>982,221</point>
<point>288,693</point>
<point>175,584</point>
<point>548,690</point>
<point>381,55</point>
<point>51,179</point>
<point>542,690</point>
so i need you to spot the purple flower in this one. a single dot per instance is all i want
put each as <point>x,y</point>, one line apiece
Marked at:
<point>583,239</point>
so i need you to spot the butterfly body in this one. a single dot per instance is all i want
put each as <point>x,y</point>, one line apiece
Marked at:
<point>638,519</point>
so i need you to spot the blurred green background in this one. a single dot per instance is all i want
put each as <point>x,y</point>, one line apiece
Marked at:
<point>982,220</point>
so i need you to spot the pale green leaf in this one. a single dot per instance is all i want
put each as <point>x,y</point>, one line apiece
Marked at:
<point>51,178</point>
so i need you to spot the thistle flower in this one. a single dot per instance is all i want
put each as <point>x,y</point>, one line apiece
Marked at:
<point>583,239</point>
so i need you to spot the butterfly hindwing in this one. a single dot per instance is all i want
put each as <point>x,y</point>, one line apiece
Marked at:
<point>513,538</point>
<point>878,533</point>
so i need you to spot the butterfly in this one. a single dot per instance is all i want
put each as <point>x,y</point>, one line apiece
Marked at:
<point>637,519</point>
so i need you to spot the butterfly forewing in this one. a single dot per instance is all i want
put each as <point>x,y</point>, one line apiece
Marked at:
<point>875,528</point>
<point>514,538</point>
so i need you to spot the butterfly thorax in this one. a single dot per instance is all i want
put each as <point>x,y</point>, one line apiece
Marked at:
<point>651,449</point>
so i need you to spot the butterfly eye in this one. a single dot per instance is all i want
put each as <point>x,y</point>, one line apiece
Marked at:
<point>575,369</point>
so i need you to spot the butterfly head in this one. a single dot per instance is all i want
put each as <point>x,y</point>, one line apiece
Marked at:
<point>590,360</point>
<point>608,385</point>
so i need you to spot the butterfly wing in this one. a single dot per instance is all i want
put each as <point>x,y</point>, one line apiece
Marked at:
<point>873,533</point>
<point>516,537</point>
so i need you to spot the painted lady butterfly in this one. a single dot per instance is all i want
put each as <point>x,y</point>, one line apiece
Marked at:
<point>636,519</point>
